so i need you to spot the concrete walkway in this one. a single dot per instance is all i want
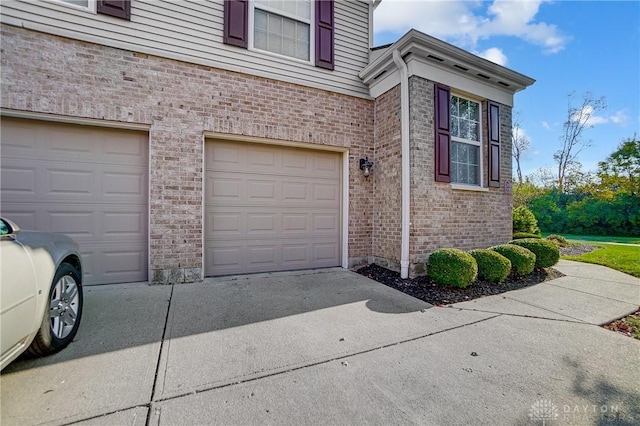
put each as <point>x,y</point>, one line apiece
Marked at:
<point>333,347</point>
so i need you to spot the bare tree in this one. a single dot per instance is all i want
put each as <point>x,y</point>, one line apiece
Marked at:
<point>519,143</point>
<point>578,119</point>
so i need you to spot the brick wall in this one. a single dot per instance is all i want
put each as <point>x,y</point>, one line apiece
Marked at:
<point>179,101</point>
<point>387,191</point>
<point>444,217</point>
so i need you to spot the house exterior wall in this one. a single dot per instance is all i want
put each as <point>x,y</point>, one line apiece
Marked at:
<point>192,31</point>
<point>387,176</point>
<point>179,101</point>
<point>442,216</point>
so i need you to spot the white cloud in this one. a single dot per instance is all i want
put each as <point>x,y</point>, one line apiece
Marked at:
<point>546,125</point>
<point>587,114</point>
<point>620,117</point>
<point>518,131</point>
<point>466,22</point>
<point>495,55</point>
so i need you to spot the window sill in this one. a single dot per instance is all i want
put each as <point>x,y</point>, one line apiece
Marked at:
<point>462,187</point>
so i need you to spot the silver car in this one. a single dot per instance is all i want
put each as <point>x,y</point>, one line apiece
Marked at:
<point>40,291</point>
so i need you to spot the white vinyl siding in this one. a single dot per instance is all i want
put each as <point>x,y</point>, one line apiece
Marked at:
<point>192,30</point>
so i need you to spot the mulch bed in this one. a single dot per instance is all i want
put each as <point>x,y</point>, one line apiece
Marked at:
<point>425,289</point>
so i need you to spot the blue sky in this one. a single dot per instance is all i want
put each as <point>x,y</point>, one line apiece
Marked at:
<point>567,46</point>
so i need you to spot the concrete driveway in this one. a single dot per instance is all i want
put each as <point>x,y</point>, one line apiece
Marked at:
<point>332,347</point>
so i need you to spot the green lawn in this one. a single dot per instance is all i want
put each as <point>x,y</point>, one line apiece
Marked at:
<point>598,238</point>
<point>624,258</point>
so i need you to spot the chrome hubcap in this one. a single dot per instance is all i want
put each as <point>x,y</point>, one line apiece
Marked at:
<point>63,306</point>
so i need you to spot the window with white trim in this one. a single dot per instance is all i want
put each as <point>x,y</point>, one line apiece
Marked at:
<point>89,5</point>
<point>283,27</point>
<point>466,141</point>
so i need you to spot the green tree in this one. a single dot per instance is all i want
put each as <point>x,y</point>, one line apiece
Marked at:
<point>620,171</point>
<point>524,192</point>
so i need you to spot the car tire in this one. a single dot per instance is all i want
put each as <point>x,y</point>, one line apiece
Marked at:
<point>62,314</point>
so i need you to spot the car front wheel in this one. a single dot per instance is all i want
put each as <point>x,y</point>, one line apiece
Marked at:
<point>61,320</point>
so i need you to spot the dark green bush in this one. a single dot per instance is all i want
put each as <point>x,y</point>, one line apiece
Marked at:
<point>558,239</point>
<point>520,235</point>
<point>452,267</point>
<point>547,253</point>
<point>524,221</point>
<point>492,266</point>
<point>522,260</point>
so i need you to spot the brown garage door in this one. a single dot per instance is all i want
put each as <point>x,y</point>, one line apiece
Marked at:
<point>89,183</point>
<point>270,208</point>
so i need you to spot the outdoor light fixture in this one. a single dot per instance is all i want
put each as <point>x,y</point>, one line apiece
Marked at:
<point>366,166</point>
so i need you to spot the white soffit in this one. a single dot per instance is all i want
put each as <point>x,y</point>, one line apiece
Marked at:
<point>444,63</point>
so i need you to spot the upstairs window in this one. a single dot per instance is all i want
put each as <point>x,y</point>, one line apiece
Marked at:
<point>301,29</point>
<point>116,8</point>
<point>466,146</point>
<point>88,5</point>
<point>283,27</point>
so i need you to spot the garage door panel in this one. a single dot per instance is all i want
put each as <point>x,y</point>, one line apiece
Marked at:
<point>263,159</point>
<point>326,192</point>
<point>89,183</point>
<point>262,190</point>
<point>296,192</point>
<point>262,224</point>
<point>124,185</point>
<point>113,264</point>
<point>326,251</point>
<point>44,181</point>
<point>326,165</point>
<point>220,188</point>
<point>270,208</point>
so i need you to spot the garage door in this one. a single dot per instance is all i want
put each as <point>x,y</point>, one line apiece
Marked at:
<point>270,208</point>
<point>89,183</point>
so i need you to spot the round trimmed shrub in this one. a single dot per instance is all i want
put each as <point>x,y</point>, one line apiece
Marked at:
<point>522,260</point>
<point>524,221</point>
<point>452,267</point>
<point>492,266</point>
<point>547,253</point>
<point>559,240</point>
<point>521,235</point>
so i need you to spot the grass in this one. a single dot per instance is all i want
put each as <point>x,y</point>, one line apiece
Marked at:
<point>597,238</point>
<point>634,325</point>
<point>624,258</point>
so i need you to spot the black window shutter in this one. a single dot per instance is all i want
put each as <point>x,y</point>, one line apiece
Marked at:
<point>324,34</point>
<point>117,8</point>
<point>494,143</point>
<point>236,23</point>
<point>443,134</point>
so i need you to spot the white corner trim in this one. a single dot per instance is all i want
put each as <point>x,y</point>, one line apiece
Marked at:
<point>406,166</point>
<point>345,210</point>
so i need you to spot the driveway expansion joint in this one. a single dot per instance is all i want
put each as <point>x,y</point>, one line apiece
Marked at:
<point>314,364</point>
<point>593,294</point>
<point>569,319</point>
<point>164,335</point>
<point>119,410</point>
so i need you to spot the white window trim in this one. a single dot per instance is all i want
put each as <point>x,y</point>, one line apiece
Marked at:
<point>312,32</point>
<point>480,186</point>
<point>91,5</point>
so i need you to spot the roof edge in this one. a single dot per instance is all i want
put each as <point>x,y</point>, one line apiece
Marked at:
<point>446,55</point>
